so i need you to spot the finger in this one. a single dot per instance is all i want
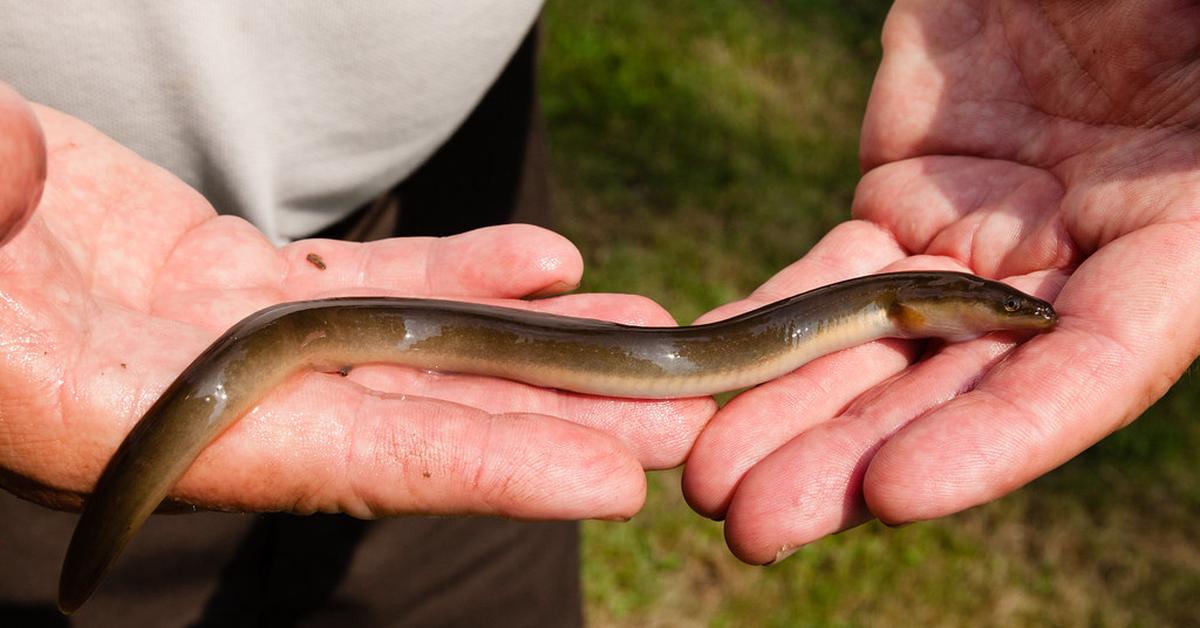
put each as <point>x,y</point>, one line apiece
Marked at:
<point>760,420</point>
<point>224,269</point>
<point>506,261</point>
<point>811,487</point>
<point>22,162</point>
<point>999,218</point>
<point>1127,330</point>
<point>369,455</point>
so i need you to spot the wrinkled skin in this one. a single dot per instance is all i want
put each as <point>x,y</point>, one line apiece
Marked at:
<point>123,274</point>
<point>1055,145</point>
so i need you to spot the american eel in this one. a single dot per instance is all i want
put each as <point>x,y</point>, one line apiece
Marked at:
<point>580,355</point>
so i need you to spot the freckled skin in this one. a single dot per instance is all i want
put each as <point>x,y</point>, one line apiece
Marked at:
<point>574,354</point>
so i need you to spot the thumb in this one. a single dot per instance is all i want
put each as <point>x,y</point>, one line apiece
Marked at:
<point>22,162</point>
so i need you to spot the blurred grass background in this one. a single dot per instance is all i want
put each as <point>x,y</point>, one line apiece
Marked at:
<point>698,147</point>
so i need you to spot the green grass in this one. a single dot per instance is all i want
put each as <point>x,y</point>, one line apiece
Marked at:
<point>686,134</point>
<point>699,147</point>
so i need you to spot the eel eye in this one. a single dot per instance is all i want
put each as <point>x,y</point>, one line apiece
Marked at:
<point>1012,304</point>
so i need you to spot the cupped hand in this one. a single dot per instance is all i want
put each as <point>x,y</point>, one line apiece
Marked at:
<point>1054,145</point>
<point>123,274</point>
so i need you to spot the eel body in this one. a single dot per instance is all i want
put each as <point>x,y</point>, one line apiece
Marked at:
<point>580,355</point>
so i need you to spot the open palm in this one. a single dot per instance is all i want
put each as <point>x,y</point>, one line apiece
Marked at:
<point>123,274</point>
<point>1055,145</point>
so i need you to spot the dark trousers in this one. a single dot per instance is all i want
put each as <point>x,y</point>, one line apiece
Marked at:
<point>213,569</point>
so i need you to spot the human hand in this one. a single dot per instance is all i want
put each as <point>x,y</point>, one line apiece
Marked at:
<point>124,274</point>
<point>1050,144</point>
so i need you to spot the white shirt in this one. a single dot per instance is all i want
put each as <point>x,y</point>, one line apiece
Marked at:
<point>288,113</point>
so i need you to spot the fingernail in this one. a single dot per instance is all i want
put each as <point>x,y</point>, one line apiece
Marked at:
<point>784,552</point>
